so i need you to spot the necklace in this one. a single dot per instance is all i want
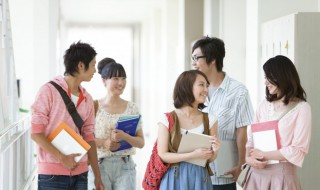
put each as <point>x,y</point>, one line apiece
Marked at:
<point>191,117</point>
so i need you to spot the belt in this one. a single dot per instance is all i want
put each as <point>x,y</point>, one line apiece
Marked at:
<point>125,159</point>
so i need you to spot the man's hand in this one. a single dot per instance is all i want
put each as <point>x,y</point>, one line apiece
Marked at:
<point>68,161</point>
<point>235,172</point>
<point>98,183</point>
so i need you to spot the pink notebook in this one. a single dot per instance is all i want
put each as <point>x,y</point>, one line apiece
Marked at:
<point>266,126</point>
<point>266,137</point>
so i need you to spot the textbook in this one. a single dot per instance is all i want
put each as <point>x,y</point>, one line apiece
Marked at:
<point>266,137</point>
<point>67,141</point>
<point>129,125</point>
<point>227,158</point>
<point>191,141</point>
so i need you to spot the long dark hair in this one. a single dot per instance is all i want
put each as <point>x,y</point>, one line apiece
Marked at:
<point>281,72</point>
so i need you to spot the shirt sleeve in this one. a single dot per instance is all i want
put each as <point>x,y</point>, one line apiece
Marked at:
<point>40,110</point>
<point>257,118</point>
<point>212,120</point>
<point>89,123</point>
<point>135,110</point>
<point>244,114</point>
<point>299,147</point>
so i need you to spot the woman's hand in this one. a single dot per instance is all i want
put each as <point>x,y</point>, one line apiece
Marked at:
<point>202,153</point>
<point>256,163</point>
<point>111,145</point>
<point>256,153</point>
<point>118,135</point>
<point>216,143</point>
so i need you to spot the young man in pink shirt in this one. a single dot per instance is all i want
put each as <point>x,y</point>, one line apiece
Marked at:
<point>56,170</point>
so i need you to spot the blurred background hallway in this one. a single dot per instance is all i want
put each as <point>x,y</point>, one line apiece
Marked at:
<point>152,39</point>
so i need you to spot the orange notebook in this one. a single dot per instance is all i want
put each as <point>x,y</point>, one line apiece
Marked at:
<point>68,141</point>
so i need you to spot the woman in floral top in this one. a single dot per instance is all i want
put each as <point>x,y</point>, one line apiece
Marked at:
<point>117,168</point>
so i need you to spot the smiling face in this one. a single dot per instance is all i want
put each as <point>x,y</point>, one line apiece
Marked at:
<point>115,85</point>
<point>199,62</point>
<point>273,89</point>
<point>200,90</point>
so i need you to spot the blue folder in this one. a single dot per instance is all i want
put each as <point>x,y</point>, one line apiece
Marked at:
<point>129,125</point>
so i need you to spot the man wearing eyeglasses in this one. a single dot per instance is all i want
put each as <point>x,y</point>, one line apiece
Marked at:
<point>229,101</point>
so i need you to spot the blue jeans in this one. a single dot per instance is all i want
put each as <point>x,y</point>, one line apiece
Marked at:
<point>63,182</point>
<point>117,173</point>
<point>231,186</point>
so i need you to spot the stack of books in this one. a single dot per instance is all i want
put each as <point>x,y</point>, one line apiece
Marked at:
<point>129,125</point>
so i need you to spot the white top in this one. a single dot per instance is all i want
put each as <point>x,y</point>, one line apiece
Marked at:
<point>198,129</point>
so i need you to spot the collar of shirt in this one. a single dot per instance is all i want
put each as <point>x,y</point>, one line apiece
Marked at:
<point>225,83</point>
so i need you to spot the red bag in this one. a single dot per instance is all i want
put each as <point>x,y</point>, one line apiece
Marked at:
<point>156,168</point>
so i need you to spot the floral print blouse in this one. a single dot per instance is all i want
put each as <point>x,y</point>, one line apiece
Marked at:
<point>106,122</point>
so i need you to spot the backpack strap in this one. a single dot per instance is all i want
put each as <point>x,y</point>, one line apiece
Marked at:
<point>96,106</point>
<point>206,124</point>
<point>207,132</point>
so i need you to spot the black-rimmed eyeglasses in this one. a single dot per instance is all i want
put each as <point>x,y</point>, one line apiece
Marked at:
<point>195,58</point>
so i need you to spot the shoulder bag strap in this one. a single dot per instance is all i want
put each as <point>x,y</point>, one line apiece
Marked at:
<point>175,133</point>
<point>206,131</point>
<point>96,106</point>
<point>288,110</point>
<point>206,124</point>
<point>70,106</point>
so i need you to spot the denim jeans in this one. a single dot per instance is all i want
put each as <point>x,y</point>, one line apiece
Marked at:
<point>231,186</point>
<point>117,173</point>
<point>63,182</point>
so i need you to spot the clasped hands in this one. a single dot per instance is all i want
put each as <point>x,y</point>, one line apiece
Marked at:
<point>256,159</point>
<point>112,143</point>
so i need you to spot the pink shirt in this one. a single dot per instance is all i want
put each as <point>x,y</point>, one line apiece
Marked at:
<point>48,111</point>
<point>294,130</point>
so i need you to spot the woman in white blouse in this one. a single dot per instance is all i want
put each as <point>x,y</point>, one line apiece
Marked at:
<point>190,92</point>
<point>117,167</point>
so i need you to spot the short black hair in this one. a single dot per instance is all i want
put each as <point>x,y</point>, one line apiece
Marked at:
<point>109,68</point>
<point>78,52</point>
<point>213,49</point>
<point>183,89</point>
<point>281,72</point>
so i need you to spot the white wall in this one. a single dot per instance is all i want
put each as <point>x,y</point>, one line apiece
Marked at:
<point>34,30</point>
<point>233,32</point>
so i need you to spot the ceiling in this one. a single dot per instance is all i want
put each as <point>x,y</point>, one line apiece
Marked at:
<point>107,11</point>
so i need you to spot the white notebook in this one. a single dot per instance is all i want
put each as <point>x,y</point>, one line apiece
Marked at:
<point>68,141</point>
<point>191,141</point>
<point>266,141</point>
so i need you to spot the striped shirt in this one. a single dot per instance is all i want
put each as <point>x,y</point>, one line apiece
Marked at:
<point>231,104</point>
